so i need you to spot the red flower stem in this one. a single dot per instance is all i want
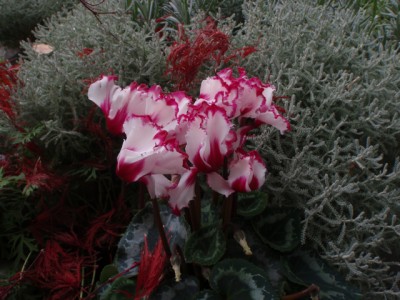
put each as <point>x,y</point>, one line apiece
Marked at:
<point>160,226</point>
<point>312,290</point>
<point>188,215</point>
<point>227,205</point>
<point>195,209</point>
<point>197,202</point>
<point>141,196</point>
<point>227,212</point>
<point>215,198</point>
<point>193,216</point>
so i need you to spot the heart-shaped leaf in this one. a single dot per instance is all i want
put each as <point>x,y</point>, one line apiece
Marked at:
<point>205,246</point>
<point>209,212</point>
<point>131,244</point>
<point>240,279</point>
<point>108,272</point>
<point>120,289</point>
<point>279,228</point>
<point>305,269</point>
<point>251,204</point>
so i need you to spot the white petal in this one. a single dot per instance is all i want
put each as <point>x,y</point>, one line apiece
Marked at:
<point>273,118</point>
<point>219,184</point>
<point>100,91</point>
<point>183,192</point>
<point>157,185</point>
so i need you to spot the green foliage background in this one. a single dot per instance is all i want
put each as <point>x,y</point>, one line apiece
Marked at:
<point>19,18</point>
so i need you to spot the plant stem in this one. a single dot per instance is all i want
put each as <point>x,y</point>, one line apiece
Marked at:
<point>82,283</point>
<point>312,290</point>
<point>227,212</point>
<point>196,208</point>
<point>160,226</point>
<point>25,262</point>
<point>193,216</point>
<point>227,205</point>
<point>141,196</point>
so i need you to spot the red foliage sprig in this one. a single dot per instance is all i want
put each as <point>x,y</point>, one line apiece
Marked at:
<point>8,82</point>
<point>151,270</point>
<point>59,272</point>
<point>210,45</point>
<point>186,56</point>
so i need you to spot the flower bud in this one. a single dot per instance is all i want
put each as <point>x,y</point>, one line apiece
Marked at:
<point>240,237</point>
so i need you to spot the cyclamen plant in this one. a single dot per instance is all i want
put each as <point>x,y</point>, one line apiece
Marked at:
<point>170,138</point>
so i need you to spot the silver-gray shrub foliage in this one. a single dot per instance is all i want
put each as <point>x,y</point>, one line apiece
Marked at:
<point>340,161</point>
<point>55,85</point>
<point>338,164</point>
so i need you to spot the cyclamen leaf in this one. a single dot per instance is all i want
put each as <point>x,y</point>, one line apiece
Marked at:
<point>121,289</point>
<point>251,204</point>
<point>209,212</point>
<point>205,246</point>
<point>107,272</point>
<point>240,279</point>
<point>279,228</point>
<point>304,269</point>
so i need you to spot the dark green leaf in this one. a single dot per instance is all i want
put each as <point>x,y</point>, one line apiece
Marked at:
<point>205,246</point>
<point>108,272</point>
<point>120,289</point>
<point>279,228</point>
<point>305,269</point>
<point>209,212</point>
<point>251,204</point>
<point>240,279</point>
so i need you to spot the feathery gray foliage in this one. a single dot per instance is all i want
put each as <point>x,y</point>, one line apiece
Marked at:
<point>340,161</point>
<point>55,85</point>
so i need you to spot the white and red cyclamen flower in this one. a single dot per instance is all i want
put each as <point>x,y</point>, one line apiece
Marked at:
<point>169,139</point>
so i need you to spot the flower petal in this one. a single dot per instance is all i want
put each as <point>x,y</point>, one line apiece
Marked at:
<point>137,100</point>
<point>157,185</point>
<point>183,192</point>
<point>145,151</point>
<point>209,139</point>
<point>219,184</point>
<point>112,101</point>
<point>247,172</point>
<point>273,118</point>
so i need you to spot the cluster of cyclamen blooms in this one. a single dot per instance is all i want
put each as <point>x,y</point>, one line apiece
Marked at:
<point>170,138</point>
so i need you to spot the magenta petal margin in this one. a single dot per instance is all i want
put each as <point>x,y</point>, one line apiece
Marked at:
<point>170,138</point>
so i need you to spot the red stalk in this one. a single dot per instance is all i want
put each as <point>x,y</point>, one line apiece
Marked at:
<point>160,226</point>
